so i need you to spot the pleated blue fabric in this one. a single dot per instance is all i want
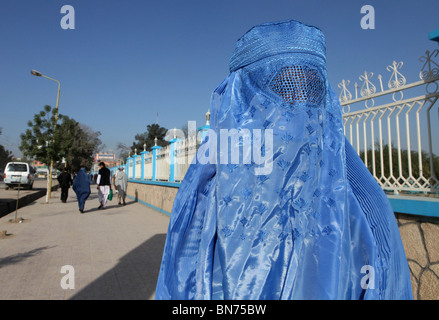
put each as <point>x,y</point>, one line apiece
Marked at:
<point>296,214</point>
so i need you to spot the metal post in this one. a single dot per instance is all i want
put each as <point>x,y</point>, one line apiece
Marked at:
<point>18,197</point>
<point>49,188</point>
<point>49,192</point>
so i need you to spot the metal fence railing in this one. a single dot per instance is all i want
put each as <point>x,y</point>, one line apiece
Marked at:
<point>396,139</point>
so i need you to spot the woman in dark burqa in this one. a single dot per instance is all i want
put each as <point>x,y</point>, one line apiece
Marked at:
<point>307,222</point>
<point>81,186</point>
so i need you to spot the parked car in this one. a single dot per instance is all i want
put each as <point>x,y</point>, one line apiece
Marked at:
<point>41,173</point>
<point>19,173</point>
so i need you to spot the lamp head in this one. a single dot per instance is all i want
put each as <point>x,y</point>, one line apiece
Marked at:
<point>36,73</point>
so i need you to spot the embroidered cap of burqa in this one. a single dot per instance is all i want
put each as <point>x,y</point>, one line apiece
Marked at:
<point>308,222</point>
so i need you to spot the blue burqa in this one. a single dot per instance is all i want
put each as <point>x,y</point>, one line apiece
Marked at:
<point>81,186</point>
<point>298,216</point>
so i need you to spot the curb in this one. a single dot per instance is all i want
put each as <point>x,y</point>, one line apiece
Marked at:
<point>10,205</point>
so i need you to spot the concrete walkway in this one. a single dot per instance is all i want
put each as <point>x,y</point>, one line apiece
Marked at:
<point>115,253</point>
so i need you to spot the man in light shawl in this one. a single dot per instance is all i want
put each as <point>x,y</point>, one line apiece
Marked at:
<point>120,181</point>
<point>81,186</point>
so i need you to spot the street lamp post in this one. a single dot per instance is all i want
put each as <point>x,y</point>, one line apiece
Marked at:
<point>49,188</point>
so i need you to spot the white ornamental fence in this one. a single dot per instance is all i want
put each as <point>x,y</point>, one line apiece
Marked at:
<point>397,139</point>
<point>169,163</point>
<point>185,152</point>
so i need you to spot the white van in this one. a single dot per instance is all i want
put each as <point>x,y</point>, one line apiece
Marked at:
<point>19,173</point>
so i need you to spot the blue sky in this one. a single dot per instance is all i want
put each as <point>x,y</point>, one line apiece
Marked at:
<point>126,61</point>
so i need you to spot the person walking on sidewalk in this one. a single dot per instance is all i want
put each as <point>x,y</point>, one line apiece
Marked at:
<point>120,181</point>
<point>65,181</point>
<point>81,186</point>
<point>103,184</point>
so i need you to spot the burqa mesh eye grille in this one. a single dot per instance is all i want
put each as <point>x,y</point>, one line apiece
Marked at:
<point>296,84</point>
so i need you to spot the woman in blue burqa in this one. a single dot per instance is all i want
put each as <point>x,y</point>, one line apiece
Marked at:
<point>298,215</point>
<point>81,186</point>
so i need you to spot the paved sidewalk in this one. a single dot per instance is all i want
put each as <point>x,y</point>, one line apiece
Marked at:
<point>115,253</point>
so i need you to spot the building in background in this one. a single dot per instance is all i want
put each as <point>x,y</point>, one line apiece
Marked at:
<point>38,164</point>
<point>109,158</point>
